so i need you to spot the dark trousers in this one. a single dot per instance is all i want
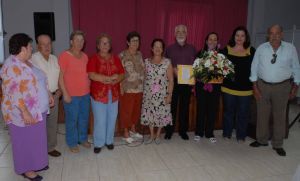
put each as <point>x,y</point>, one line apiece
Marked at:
<point>181,95</point>
<point>274,101</point>
<point>207,109</point>
<point>236,110</point>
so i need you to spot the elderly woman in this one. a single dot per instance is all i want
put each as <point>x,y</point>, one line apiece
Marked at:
<point>75,87</point>
<point>132,87</point>
<point>237,93</point>
<point>25,105</point>
<point>158,87</point>
<point>106,71</point>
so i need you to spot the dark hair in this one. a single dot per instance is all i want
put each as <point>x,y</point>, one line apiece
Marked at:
<point>205,47</point>
<point>131,35</point>
<point>232,39</point>
<point>98,40</point>
<point>17,41</point>
<point>159,40</point>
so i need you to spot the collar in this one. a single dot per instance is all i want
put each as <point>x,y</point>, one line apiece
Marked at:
<point>177,44</point>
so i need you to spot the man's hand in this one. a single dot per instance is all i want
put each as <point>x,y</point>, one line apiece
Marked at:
<point>293,91</point>
<point>51,100</point>
<point>256,92</point>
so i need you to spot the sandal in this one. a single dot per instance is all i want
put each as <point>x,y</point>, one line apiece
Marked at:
<point>86,144</point>
<point>74,149</point>
<point>157,140</point>
<point>213,140</point>
<point>149,141</point>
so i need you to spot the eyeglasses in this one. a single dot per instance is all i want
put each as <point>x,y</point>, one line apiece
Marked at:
<point>134,40</point>
<point>273,60</point>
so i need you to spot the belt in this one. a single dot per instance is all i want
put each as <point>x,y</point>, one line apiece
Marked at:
<point>275,83</point>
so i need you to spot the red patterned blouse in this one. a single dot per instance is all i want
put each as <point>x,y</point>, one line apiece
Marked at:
<point>99,90</point>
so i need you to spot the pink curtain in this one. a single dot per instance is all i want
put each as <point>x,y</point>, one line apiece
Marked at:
<point>156,19</point>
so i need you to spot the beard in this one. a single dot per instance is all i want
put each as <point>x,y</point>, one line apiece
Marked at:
<point>180,40</point>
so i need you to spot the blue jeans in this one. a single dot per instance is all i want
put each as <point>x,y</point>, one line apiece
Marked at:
<point>105,116</point>
<point>77,119</point>
<point>236,109</point>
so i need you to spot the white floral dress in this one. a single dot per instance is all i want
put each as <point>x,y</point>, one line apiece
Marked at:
<point>155,112</point>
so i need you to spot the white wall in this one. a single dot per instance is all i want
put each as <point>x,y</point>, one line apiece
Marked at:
<point>264,13</point>
<point>18,18</point>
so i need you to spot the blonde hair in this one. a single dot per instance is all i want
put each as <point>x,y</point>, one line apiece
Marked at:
<point>75,33</point>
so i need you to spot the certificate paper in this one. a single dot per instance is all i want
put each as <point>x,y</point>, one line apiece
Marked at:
<point>185,74</point>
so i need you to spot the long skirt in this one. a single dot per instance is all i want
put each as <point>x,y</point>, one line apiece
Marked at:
<point>29,146</point>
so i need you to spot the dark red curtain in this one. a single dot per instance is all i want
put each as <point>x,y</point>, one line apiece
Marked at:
<point>156,19</point>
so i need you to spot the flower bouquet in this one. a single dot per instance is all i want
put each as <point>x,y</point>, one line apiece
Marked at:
<point>212,67</point>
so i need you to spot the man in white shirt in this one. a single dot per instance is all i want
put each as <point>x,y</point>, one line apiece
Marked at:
<point>44,60</point>
<point>274,64</point>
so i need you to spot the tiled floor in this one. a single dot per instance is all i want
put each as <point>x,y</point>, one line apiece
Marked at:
<point>171,160</point>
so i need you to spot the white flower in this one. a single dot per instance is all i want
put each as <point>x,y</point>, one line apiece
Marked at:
<point>221,55</point>
<point>207,64</point>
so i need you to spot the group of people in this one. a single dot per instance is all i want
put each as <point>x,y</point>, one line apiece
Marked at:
<point>138,90</point>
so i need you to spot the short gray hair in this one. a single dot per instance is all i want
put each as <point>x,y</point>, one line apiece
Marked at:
<point>181,26</point>
<point>275,25</point>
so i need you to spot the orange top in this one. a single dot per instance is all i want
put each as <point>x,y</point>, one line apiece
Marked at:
<point>76,78</point>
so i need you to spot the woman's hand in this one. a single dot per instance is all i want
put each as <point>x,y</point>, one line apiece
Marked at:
<point>293,92</point>
<point>28,119</point>
<point>114,78</point>
<point>168,99</point>
<point>67,98</point>
<point>107,80</point>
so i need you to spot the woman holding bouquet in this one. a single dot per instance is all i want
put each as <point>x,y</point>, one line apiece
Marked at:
<point>158,88</point>
<point>237,93</point>
<point>208,96</point>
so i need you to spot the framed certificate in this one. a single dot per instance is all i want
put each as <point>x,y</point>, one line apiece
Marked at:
<point>185,74</point>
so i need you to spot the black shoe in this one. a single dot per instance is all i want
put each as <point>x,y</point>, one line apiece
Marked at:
<point>280,151</point>
<point>36,178</point>
<point>110,147</point>
<point>97,150</point>
<point>168,136</point>
<point>184,136</point>
<point>257,144</point>
<point>54,153</point>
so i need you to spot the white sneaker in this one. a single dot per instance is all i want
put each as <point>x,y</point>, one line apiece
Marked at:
<point>213,140</point>
<point>135,135</point>
<point>197,138</point>
<point>128,140</point>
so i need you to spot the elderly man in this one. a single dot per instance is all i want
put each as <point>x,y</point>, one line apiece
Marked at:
<point>180,53</point>
<point>47,62</point>
<point>274,65</point>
